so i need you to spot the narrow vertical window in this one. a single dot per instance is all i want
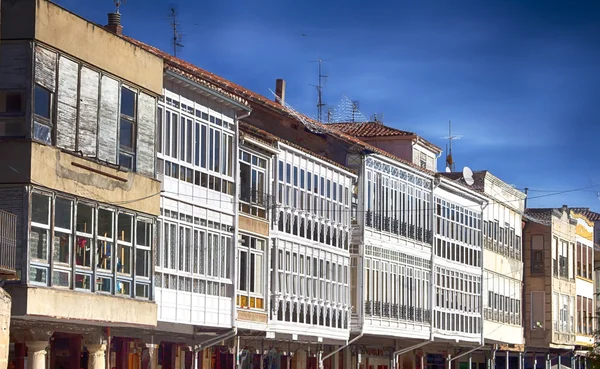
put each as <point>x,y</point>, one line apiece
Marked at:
<point>127,128</point>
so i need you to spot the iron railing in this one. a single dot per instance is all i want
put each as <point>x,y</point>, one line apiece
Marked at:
<point>387,224</point>
<point>8,242</point>
<point>254,197</point>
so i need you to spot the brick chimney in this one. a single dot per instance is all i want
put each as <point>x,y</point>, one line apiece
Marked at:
<point>114,23</point>
<point>280,90</point>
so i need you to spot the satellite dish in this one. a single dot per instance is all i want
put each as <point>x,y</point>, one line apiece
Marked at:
<point>448,170</point>
<point>468,176</point>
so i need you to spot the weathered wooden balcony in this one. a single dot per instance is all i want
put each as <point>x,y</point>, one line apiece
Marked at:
<point>8,244</point>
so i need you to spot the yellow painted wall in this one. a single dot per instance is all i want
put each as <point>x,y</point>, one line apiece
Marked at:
<point>82,39</point>
<point>63,304</point>
<point>55,169</point>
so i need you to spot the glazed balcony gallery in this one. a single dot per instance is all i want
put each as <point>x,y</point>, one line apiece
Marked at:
<point>85,246</point>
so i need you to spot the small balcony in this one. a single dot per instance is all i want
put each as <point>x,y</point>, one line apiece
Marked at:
<point>254,202</point>
<point>8,244</point>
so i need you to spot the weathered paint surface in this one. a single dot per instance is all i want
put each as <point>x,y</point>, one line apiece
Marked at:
<point>66,114</point>
<point>107,130</point>
<point>146,128</point>
<point>78,176</point>
<point>88,111</point>
<point>45,68</point>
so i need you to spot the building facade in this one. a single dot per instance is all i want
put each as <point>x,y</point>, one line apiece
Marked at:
<point>550,285</point>
<point>77,131</point>
<point>584,283</point>
<point>198,165</point>
<point>457,272</point>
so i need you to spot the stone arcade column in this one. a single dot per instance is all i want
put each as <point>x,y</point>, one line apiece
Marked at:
<point>36,354</point>
<point>153,353</point>
<point>97,355</point>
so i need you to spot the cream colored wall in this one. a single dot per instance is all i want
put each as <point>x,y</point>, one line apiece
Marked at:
<point>65,31</point>
<point>82,39</point>
<point>5,306</point>
<point>254,225</point>
<point>56,170</point>
<point>55,303</point>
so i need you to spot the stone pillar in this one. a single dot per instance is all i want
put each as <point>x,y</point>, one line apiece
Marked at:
<point>36,354</point>
<point>97,356</point>
<point>5,305</point>
<point>153,354</point>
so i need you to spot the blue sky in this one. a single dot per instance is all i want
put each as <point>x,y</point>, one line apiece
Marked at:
<point>520,80</point>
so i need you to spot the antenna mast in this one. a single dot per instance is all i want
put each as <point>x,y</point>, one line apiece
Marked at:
<point>118,4</point>
<point>176,35</point>
<point>450,137</point>
<point>320,103</point>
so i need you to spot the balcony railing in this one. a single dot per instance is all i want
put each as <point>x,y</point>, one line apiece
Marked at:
<point>254,202</point>
<point>8,243</point>
<point>387,224</point>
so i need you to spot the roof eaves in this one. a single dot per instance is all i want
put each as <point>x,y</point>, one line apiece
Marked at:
<point>259,99</point>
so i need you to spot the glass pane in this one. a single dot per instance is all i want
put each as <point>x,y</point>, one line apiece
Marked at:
<point>83,281</point>
<point>124,225</point>
<point>85,218</point>
<point>124,259</point>
<point>38,243</point>
<point>243,270</point>
<point>123,288</point>
<point>126,161</point>
<point>38,275</point>
<point>61,278</point>
<point>104,255</point>
<point>142,263</point>
<point>40,208</point>
<point>127,102</point>
<point>142,290</point>
<point>105,223</point>
<point>62,213</point>
<point>104,284</point>
<point>62,248</point>
<point>126,133</point>
<point>42,133</point>
<point>83,252</point>
<point>144,234</point>
<point>42,102</point>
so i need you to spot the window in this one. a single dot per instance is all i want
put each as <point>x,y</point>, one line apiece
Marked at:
<point>39,237</point>
<point>83,246</point>
<point>11,103</point>
<point>253,196</point>
<point>127,128</point>
<point>251,273</point>
<point>76,225</point>
<point>537,254</point>
<point>63,242</point>
<point>42,124</point>
<point>538,309</point>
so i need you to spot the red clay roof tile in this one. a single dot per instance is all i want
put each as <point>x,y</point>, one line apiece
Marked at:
<point>251,96</point>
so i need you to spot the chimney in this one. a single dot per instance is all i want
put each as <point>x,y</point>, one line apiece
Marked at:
<point>280,90</point>
<point>114,24</point>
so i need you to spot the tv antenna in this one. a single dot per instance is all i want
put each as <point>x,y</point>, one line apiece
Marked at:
<point>322,79</point>
<point>348,112</point>
<point>313,127</point>
<point>449,160</point>
<point>118,4</point>
<point>176,34</point>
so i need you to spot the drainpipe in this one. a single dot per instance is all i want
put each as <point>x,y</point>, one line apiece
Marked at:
<point>213,341</point>
<point>464,354</point>
<point>360,310</point>
<point>234,241</point>
<point>403,351</point>
<point>323,358</point>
